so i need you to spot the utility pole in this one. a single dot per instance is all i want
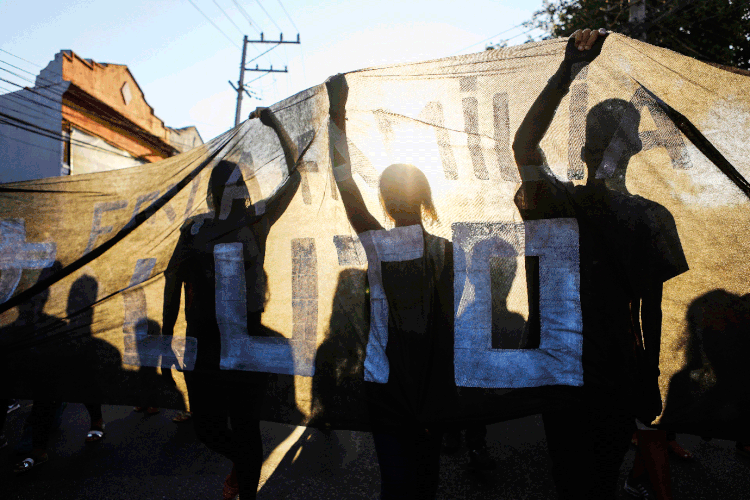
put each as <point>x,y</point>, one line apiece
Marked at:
<point>241,83</point>
<point>638,18</point>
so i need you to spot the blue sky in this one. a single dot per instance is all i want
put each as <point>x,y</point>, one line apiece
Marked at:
<point>183,63</point>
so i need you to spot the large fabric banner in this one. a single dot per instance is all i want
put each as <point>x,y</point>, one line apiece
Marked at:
<point>85,260</point>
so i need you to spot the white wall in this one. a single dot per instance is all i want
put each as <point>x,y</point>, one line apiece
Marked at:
<point>89,154</point>
<point>26,152</point>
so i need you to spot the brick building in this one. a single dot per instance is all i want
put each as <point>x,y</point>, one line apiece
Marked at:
<point>80,117</point>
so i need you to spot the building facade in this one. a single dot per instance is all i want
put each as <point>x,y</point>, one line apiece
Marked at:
<point>80,117</point>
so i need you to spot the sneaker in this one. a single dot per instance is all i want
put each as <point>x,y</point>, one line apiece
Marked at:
<point>480,459</point>
<point>13,405</point>
<point>636,489</point>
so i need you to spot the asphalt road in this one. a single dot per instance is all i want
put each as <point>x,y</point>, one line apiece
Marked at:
<point>150,457</point>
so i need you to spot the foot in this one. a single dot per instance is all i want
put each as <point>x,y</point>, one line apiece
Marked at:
<point>182,416</point>
<point>35,458</point>
<point>150,410</point>
<point>636,488</point>
<point>96,433</point>
<point>231,486</point>
<point>480,459</point>
<point>675,448</point>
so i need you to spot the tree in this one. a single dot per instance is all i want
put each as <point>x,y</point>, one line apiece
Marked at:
<point>715,31</point>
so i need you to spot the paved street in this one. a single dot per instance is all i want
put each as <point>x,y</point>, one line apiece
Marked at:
<point>152,458</point>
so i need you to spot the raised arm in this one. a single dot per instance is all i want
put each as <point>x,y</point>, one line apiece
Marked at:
<point>583,46</point>
<point>269,119</point>
<point>280,199</point>
<point>359,217</point>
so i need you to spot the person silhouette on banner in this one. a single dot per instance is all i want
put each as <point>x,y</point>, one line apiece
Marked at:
<point>628,248</point>
<point>220,396</point>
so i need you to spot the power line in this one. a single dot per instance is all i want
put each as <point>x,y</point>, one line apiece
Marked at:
<point>39,112</point>
<point>13,66</point>
<point>95,105</point>
<point>264,53</point>
<point>214,24</point>
<point>21,58</point>
<point>36,129</point>
<point>520,34</point>
<point>227,16</point>
<point>51,134</point>
<point>269,16</point>
<point>490,38</point>
<point>250,21</point>
<point>16,75</point>
<point>96,109</point>
<point>287,15</point>
<point>39,77</point>
<point>29,143</point>
<point>52,91</point>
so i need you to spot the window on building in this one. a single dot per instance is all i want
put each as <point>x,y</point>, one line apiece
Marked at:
<point>127,96</point>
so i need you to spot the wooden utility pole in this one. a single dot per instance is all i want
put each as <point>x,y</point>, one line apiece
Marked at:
<point>240,88</point>
<point>241,84</point>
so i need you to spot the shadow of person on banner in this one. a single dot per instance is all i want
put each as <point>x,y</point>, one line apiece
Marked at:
<point>337,392</point>
<point>95,365</point>
<point>154,387</point>
<point>709,396</point>
<point>29,343</point>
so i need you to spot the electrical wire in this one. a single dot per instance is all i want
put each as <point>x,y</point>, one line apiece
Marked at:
<point>98,110</point>
<point>38,113</point>
<point>214,24</point>
<point>269,16</point>
<point>250,21</point>
<point>16,139</point>
<point>227,16</point>
<point>115,119</point>
<point>96,107</point>
<point>21,58</point>
<point>264,53</point>
<point>51,134</point>
<point>287,15</point>
<point>490,38</point>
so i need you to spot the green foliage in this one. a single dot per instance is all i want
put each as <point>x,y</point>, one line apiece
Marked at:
<point>715,31</point>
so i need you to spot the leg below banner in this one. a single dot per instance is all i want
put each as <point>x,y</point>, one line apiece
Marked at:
<point>587,446</point>
<point>409,463</point>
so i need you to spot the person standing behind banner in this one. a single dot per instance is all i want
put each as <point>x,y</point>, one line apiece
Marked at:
<point>418,385</point>
<point>628,247</point>
<point>220,396</point>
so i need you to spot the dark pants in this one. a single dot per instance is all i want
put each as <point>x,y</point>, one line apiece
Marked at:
<point>409,463</point>
<point>214,404</point>
<point>476,437</point>
<point>42,421</point>
<point>3,413</point>
<point>587,446</point>
<point>95,412</point>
